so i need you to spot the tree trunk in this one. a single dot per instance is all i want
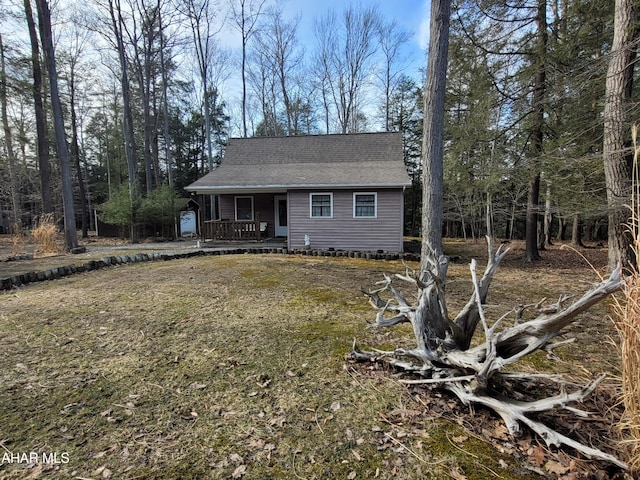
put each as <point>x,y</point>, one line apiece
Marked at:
<point>149,119</point>
<point>512,219</point>
<point>432,140</point>
<point>127,120</point>
<point>148,139</point>
<point>44,167</point>
<point>489,216</point>
<point>531,227</point>
<point>199,19</point>
<point>548,217</point>
<point>617,133</point>
<point>576,231</point>
<point>539,90</point>
<point>325,109</point>
<point>13,179</point>
<point>44,23</point>
<point>463,224</point>
<point>561,228</point>
<point>207,125</point>
<point>431,319</point>
<point>75,154</point>
<point>165,105</point>
<point>588,230</point>
<point>243,69</point>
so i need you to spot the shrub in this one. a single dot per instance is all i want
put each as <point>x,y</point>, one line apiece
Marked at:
<point>627,322</point>
<point>17,239</point>
<point>45,236</point>
<point>160,208</point>
<point>119,210</point>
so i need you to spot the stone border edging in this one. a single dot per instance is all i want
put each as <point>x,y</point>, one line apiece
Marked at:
<point>114,260</point>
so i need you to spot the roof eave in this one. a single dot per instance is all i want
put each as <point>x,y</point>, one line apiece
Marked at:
<point>213,189</point>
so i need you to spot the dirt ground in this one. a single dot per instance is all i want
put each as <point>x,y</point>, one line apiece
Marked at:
<point>561,256</point>
<point>95,248</point>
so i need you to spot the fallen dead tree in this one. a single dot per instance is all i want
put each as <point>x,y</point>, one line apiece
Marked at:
<point>444,353</point>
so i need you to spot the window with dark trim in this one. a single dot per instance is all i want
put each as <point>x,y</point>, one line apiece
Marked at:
<point>365,205</point>
<point>244,208</point>
<point>321,205</point>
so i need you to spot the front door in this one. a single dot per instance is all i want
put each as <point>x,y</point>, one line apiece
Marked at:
<point>281,215</point>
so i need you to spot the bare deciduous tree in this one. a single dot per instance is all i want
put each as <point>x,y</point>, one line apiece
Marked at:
<point>263,81</point>
<point>346,45</point>
<point>245,15</point>
<point>392,38</point>
<point>280,64</point>
<point>286,61</point>
<point>210,57</point>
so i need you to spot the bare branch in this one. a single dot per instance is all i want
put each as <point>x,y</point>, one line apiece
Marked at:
<point>448,361</point>
<point>541,329</point>
<point>513,413</point>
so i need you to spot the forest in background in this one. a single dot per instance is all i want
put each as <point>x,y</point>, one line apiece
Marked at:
<point>142,88</point>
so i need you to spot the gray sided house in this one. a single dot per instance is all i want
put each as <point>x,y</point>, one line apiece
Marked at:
<point>338,191</point>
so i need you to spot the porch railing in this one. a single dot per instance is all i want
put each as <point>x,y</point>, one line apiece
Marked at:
<point>233,229</point>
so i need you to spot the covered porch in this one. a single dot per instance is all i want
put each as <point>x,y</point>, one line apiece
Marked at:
<point>250,216</point>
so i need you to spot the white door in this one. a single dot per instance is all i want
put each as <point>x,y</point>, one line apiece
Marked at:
<point>281,215</point>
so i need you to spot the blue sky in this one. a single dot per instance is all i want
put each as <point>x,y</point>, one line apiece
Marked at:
<point>412,15</point>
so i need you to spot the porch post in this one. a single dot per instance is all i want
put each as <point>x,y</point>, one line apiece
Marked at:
<point>201,212</point>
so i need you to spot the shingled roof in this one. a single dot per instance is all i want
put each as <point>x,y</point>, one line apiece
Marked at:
<point>363,160</point>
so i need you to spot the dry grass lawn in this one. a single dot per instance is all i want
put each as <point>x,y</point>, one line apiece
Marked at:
<point>233,367</point>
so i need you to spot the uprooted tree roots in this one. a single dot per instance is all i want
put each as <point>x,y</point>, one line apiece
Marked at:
<point>445,356</point>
